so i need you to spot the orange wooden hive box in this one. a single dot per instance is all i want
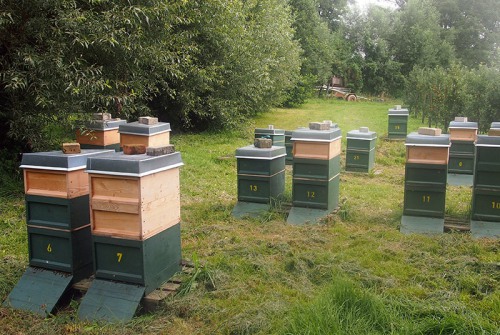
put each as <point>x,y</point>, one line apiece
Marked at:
<point>54,174</point>
<point>134,196</point>
<point>427,149</point>
<point>150,135</point>
<point>463,130</point>
<point>317,144</point>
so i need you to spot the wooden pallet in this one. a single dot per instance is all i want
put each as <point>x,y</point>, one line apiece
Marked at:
<point>153,300</point>
<point>456,224</point>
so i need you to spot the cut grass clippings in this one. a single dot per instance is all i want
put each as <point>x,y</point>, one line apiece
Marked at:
<point>352,274</point>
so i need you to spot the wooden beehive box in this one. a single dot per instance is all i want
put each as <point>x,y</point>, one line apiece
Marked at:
<point>134,197</point>
<point>425,149</point>
<point>316,144</point>
<point>149,135</point>
<point>99,133</point>
<point>463,131</point>
<point>55,174</point>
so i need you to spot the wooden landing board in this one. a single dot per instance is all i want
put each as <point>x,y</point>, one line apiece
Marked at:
<point>110,301</point>
<point>153,300</point>
<point>39,291</point>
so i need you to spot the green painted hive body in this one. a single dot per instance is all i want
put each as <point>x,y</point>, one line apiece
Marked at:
<point>61,250</point>
<point>288,147</point>
<point>486,188</point>
<point>425,190</point>
<point>360,151</point>
<point>261,173</point>
<point>398,123</point>
<point>276,135</point>
<point>462,150</point>
<point>316,181</point>
<point>148,263</point>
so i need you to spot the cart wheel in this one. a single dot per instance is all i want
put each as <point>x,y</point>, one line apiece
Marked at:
<point>351,97</point>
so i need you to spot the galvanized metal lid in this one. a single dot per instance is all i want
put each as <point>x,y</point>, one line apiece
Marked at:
<point>58,161</point>
<point>133,165</point>
<point>362,134</point>
<point>252,152</point>
<point>288,133</point>
<point>305,134</point>
<point>103,124</point>
<point>136,128</point>
<point>495,125</point>
<point>463,125</point>
<point>397,110</point>
<point>487,141</point>
<point>268,131</point>
<point>415,139</point>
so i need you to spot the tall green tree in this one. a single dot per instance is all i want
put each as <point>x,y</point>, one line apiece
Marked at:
<point>211,63</point>
<point>315,39</point>
<point>473,28</point>
<point>245,60</point>
<point>416,38</point>
<point>58,58</point>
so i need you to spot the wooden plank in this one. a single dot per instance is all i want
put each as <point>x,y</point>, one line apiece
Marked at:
<point>461,134</point>
<point>117,187</point>
<point>116,224</point>
<point>157,140</point>
<point>122,205</point>
<point>427,155</point>
<point>99,137</point>
<point>59,184</point>
<point>316,150</point>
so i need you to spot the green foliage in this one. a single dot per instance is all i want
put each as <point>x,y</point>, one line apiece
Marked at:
<point>342,308</point>
<point>416,37</point>
<point>209,63</point>
<point>473,27</point>
<point>439,95</point>
<point>298,95</point>
<point>64,57</point>
<point>245,60</point>
<point>315,39</point>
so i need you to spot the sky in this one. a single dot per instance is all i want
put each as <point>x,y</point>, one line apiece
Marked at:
<point>364,3</point>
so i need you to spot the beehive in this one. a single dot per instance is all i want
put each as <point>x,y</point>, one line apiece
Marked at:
<point>57,204</point>
<point>316,144</point>
<point>134,196</point>
<point>425,182</point>
<point>100,134</point>
<point>149,135</point>
<point>316,166</point>
<point>276,135</point>
<point>425,149</point>
<point>261,173</point>
<point>463,136</point>
<point>485,216</point>
<point>360,150</point>
<point>398,122</point>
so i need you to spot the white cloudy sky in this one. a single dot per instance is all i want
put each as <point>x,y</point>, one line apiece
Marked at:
<point>364,3</point>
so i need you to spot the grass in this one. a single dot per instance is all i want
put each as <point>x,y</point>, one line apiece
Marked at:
<point>353,274</point>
